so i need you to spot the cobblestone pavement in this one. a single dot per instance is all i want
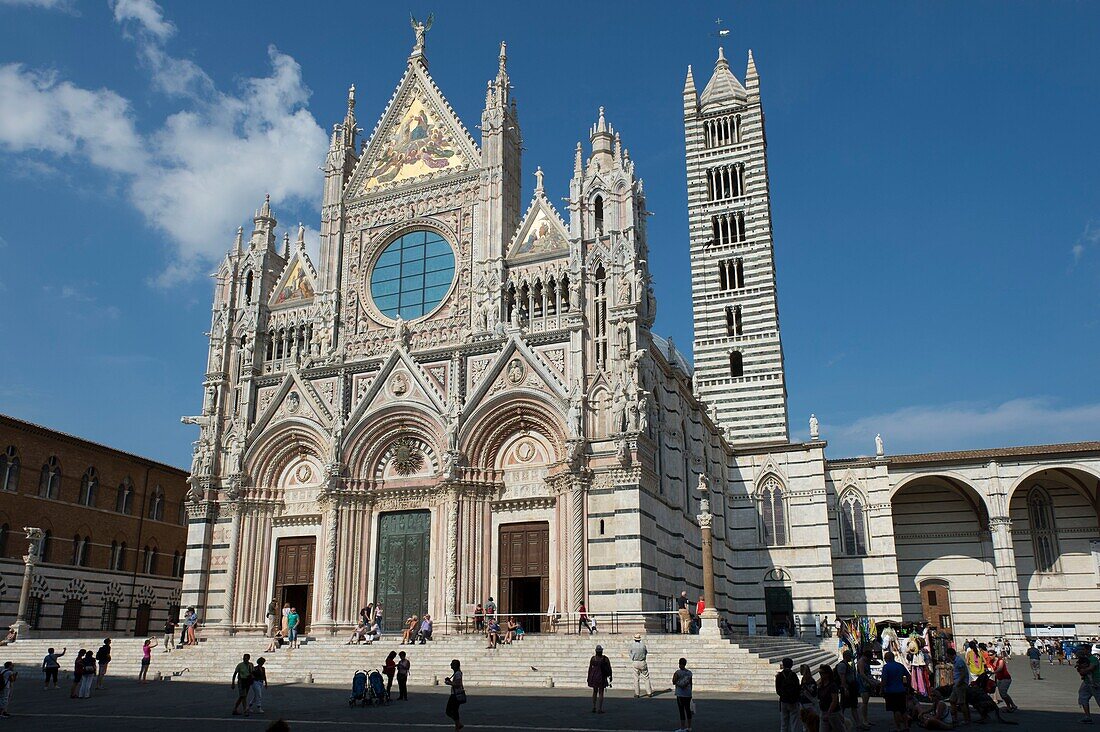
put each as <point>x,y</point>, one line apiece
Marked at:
<point>1046,705</point>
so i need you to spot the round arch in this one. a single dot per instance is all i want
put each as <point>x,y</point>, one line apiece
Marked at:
<point>494,421</point>
<point>369,441</point>
<point>269,456</point>
<point>1075,475</point>
<point>952,481</point>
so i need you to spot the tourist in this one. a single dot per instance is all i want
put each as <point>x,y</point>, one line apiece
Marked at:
<point>789,689</point>
<point>866,686</point>
<point>403,667</point>
<point>895,680</point>
<point>510,629</point>
<point>366,615</point>
<point>479,618</point>
<point>276,642</point>
<point>270,617</point>
<point>78,671</point>
<point>87,676</point>
<point>192,628</point>
<point>490,609</point>
<point>425,629</point>
<point>169,634</point>
<point>1003,679</point>
<point>389,668</point>
<point>183,625</point>
<point>1034,659</point>
<point>582,619</point>
<point>375,633</point>
<point>960,680</point>
<point>938,717</point>
<point>378,617</point>
<point>493,632</point>
<point>683,613</point>
<point>7,680</point>
<point>242,680</point>
<point>358,633</point>
<point>599,678</point>
<point>409,634</point>
<point>1088,667</point>
<point>987,656</point>
<point>103,657</point>
<point>700,607</point>
<point>1049,646</point>
<point>807,698</point>
<point>292,620</point>
<point>9,638</point>
<point>826,629</point>
<point>146,658</point>
<point>286,616</point>
<point>50,666</point>
<point>828,701</point>
<point>681,682</point>
<point>458,693</point>
<point>259,682</point>
<point>848,682</point>
<point>974,663</point>
<point>638,654</point>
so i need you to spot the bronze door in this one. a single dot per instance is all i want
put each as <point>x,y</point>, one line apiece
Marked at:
<point>401,577</point>
<point>294,560</point>
<point>525,572</point>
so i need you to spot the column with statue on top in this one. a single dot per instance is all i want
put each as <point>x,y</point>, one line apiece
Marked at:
<point>708,621</point>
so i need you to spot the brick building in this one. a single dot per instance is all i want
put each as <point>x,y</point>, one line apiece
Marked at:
<point>114,532</point>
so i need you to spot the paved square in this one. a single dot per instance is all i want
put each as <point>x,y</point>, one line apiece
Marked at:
<point>1046,706</point>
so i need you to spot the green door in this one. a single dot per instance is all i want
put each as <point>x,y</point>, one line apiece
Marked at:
<point>779,606</point>
<point>402,566</point>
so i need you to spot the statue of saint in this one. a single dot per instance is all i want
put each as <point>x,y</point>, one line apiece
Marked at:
<point>880,450</point>
<point>814,427</point>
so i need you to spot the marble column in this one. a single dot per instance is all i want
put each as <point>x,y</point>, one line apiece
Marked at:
<point>233,509</point>
<point>576,549</point>
<point>328,587</point>
<point>34,537</point>
<point>708,621</point>
<point>1008,583</point>
<point>451,604</point>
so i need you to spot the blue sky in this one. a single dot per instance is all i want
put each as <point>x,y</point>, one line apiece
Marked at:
<point>933,168</point>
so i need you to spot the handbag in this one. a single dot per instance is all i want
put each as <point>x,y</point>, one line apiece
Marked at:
<point>460,696</point>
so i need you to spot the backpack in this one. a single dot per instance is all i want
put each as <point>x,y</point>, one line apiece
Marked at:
<point>4,674</point>
<point>790,687</point>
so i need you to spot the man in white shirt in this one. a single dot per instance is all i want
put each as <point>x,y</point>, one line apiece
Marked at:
<point>638,654</point>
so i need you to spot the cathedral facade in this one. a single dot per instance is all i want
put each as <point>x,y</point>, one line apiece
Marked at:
<point>463,398</point>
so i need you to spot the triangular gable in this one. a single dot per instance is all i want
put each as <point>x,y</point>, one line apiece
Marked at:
<point>516,367</point>
<point>297,285</point>
<point>542,231</point>
<point>418,137</point>
<point>305,404</point>
<point>401,379</point>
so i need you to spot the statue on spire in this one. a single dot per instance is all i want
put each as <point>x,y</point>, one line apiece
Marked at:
<point>421,29</point>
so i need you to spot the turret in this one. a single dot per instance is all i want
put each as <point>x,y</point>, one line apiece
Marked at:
<point>339,165</point>
<point>501,151</point>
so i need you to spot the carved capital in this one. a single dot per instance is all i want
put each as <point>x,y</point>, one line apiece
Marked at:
<point>705,520</point>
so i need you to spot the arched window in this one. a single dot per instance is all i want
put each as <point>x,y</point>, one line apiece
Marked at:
<point>737,364</point>
<point>124,502</point>
<point>116,556</point>
<point>597,211</point>
<point>149,560</point>
<point>248,288</point>
<point>9,470</point>
<point>1044,533</point>
<point>49,482</point>
<point>89,485</point>
<point>70,614</point>
<point>156,504</point>
<point>853,524</point>
<point>599,303</point>
<point>177,564</point>
<point>44,546</point>
<point>80,550</point>
<point>773,512</point>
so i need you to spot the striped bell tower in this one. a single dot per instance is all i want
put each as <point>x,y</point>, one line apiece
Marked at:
<point>738,354</point>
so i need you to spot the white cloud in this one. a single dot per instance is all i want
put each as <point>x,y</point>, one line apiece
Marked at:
<point>66,5</point>
<point>1089,239</point>
<point>145,15</point>
<point>958,426</point>
<point>206,167</point>
<point>40,113</point>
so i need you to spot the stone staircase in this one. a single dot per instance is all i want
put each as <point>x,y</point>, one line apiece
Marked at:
<point>745,664</point>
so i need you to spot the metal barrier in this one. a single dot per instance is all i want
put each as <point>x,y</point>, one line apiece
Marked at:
<point>612,622</point>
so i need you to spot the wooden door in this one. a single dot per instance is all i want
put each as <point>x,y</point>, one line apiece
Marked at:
<point>294,561</point>
<point>141,622</point>
<point>401,576</point>
<point>524,555</point>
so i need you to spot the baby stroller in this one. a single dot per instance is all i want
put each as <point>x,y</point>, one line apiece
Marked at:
<point>376,691</point>
<point>359,689</point>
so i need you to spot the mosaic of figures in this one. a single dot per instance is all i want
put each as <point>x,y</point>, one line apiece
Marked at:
<point>418,145</point>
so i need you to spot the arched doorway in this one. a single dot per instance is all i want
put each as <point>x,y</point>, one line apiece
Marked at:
<point>941,531</point>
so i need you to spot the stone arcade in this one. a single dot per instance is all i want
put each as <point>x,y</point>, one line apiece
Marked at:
<point>465,399</point>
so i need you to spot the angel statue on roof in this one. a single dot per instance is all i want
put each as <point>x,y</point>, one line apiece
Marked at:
<point>420,29</point>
